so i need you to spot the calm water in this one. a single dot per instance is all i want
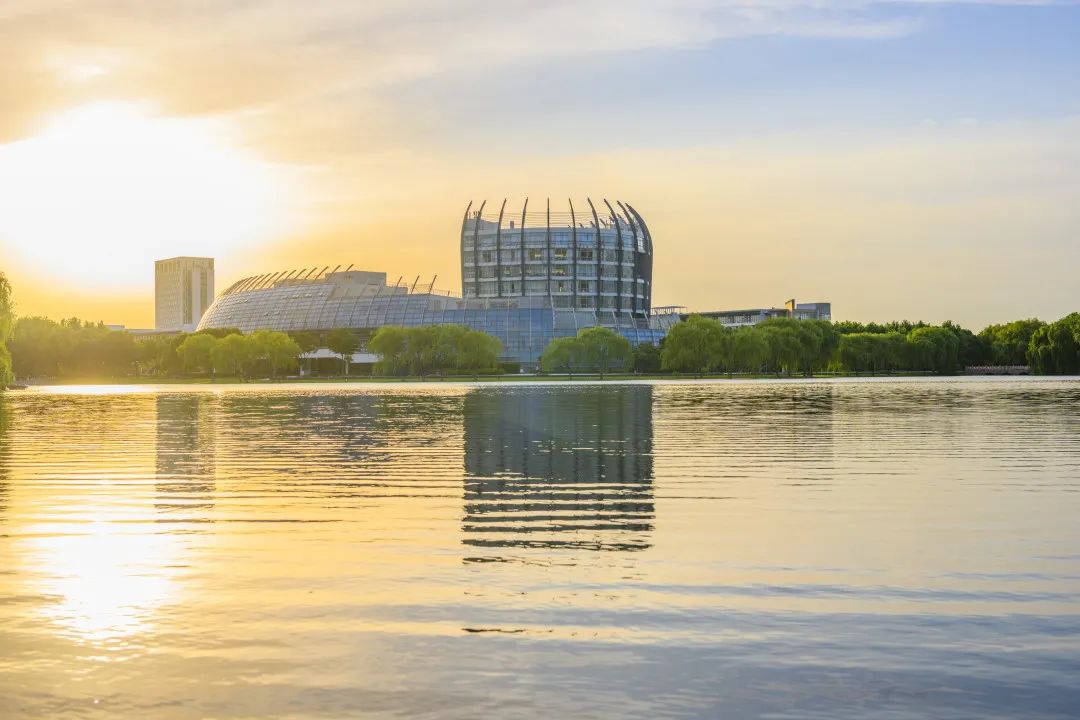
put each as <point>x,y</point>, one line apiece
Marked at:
<point>857,549</point>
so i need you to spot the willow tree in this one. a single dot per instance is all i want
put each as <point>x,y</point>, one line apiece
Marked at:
<point>694,345</point>
<point>6,321</point>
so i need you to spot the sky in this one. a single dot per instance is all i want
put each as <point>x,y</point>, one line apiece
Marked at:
<point>911,159</point>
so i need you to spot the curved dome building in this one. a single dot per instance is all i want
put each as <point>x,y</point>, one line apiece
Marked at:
<point>526,280</point>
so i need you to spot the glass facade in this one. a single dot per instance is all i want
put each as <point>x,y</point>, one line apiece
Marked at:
<point>528,276</point>
<point>583,256</point>
<point>524,325</point>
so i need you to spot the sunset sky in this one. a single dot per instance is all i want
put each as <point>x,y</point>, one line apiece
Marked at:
<point>912,159</point>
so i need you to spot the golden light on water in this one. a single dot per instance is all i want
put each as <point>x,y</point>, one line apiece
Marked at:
<point>106,581</point>
<point>111,184</point>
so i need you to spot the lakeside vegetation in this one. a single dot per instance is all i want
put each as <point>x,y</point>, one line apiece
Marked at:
<point>783,346</point>
<point>6,320</point>
<point>35,347</point>
<point>434,349</point>
<point>595,349</point>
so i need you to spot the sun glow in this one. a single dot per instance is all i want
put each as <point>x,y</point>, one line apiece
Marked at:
<point>110,185</point>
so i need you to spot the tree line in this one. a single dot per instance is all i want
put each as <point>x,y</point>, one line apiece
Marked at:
<point>39,347</point>
<point>787,346</point>
<point>71,348</point>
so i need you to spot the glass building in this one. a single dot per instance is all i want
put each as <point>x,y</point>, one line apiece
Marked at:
<point>562,293</point>
<point>593,256</point>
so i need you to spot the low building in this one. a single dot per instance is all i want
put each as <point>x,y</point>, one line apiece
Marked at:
<point>321,300</point>
<point>753,316</point>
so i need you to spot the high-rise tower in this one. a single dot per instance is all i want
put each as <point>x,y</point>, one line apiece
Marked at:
<point>183,290</point>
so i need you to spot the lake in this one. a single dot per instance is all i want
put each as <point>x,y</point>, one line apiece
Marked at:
<point>860,548</point>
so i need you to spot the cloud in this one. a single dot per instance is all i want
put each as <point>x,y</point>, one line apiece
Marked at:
<point>216,56</point>
<point>337,87</point>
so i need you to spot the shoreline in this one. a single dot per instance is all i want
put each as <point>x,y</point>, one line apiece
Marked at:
<point>504,379</point>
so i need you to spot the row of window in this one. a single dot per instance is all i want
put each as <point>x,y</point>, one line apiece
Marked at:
<point>557,240</point>
<point>540,255</point>
<point>583,271</point>
<point>541,288</point>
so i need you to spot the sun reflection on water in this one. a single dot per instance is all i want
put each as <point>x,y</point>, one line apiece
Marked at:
<point>107,579</point>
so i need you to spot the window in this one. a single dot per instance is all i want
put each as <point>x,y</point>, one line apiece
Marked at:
<point>562,286</point>
<point>584,286</point>
<point>558,271</point>
<point>587,255</point>
<point>536,254</point>
<point>560,253</point>
<point>486,256</point>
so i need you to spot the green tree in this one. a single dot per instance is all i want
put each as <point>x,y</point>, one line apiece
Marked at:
<point>35,346</point>
<point>1055,348</point>
<point>308,342</point>
<point>871,352</point>
<point>603,349</point>
<point>434,348</point>
<point>41,347</point>
<point>749,350</point>
<point>785,346</point>
<point>282,353</point>
<point>157,354</point>
<point>195,352</point>
<point>233,355</point>
<point>7,313</point>
<point>561,354</point>
<point>971,349</point>
<point>693,345</point>
<point>278,351</point>
<point>390,343</point>
<point>344,343</point>
<point>934,348</point>
<point>478,351</point>
<point>219,333</point>
<point>646,359</point>
<point>1008,344</point>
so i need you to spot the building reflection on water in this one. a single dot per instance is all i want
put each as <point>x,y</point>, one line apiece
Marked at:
<point>559,468</point>
<point>186,457</point>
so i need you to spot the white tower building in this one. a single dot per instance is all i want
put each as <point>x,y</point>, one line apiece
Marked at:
<point>183,290</point>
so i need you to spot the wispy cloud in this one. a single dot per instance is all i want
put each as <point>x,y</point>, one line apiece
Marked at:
<point>211,56</point>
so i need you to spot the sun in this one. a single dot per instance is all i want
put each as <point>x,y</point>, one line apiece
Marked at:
<point>110,186</point>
